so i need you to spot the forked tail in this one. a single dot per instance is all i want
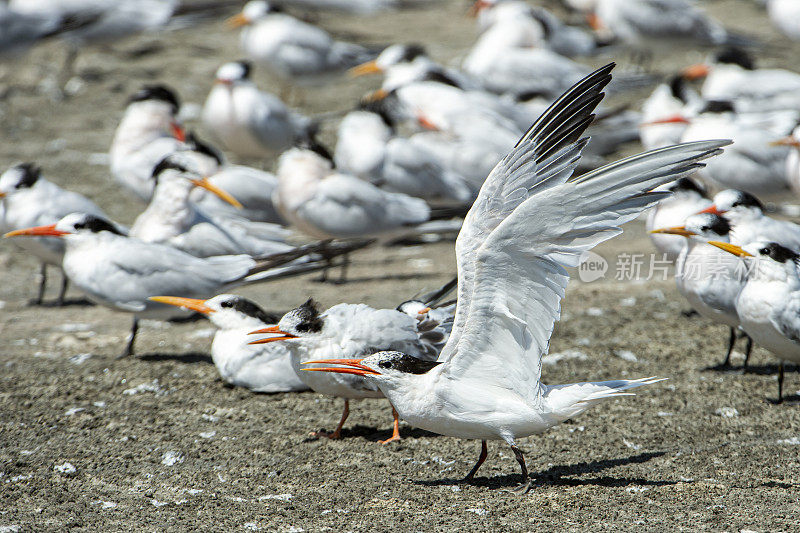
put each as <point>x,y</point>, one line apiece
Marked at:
<point>566,401</point>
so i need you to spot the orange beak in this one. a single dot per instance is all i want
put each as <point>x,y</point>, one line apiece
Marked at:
<point>595,22</point>
<point>376,96</point>
<point>354,366</point>
<point>38,231</point>
<point>675,119</point>
<point>187,303</point>
<point>178,132</point>
<point>786,141</point>
<point>677,230</point>
<point>730,248</point>
<point>712,209</point>
<point>370,67</point>
<point>2,194</point>
<point>204,183</point>
<point>237,21</point>
<point>426,123</point>
<point>695,72</point>
<point>477,7</point>
<point>273,330</point>
<point>423,311</point>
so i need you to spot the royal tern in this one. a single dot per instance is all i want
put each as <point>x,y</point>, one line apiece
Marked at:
<point>753,163</point>
<point>120,272</point>
<point>149,131</point>
<point>731,75</point>
<point>252,188</point>
<point>260,368</point>
<point>769,303</point>
<point>327,204</point>
<point>708,279</point>
<point>640,22</point>
<point>402,64</point>
<point>785,15</point>
<point>27,199</point>
<point>748,221</point>
<point>344,329</point>
<point>368,149</point>
<point>688,197</point>
<point>171,218</point>
<point>531,219</point>
<point>291,49</point>
<point>669,100</point>
<point>247,121</point>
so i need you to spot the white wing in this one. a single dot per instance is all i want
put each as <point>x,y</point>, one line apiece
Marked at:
<point>541,222</point>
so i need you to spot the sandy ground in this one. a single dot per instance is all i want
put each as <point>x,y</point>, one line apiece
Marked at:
<point>158,441</point>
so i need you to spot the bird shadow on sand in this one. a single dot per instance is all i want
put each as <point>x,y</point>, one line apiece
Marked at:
<point>556,475</point>
<point>68,302</point>
<point>374,434</point>
<point>186,358</point>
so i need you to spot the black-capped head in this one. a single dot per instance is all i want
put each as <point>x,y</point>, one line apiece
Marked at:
<point>678,88</point>
<point>86,223</point>
<point>168,163</point>
<point>380,108</point>
<point>303,321</point>
<point>160,93</point>
<point>234,309</point>
<point>708,225</point>
<point>733,55</point>
<point>412,51</point>
<point>718,106</point>
<point>688,185</point>
<point>18,177</point>
<point>730,199</point>
<point>777,252</point>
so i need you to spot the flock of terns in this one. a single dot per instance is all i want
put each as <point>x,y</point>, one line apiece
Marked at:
<point>437,150</point>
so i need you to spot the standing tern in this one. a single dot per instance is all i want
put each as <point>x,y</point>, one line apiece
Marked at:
<point>260,368</point>
<point>120,272</point>
<point>688,197</point>
<point>247,121</point>
<point>707,278</point>
<point>171,218</point>
<point>530,221</point>
<point>769,303</point>
<point>27,199</point>
<point>291,49</point>
<point>345,329</point>
<point>149,131</point>
<point>748,221</point>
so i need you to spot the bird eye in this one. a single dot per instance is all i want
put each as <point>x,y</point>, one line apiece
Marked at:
<point>764,251</point>
<point>226,304</point>
<point>386,364</point>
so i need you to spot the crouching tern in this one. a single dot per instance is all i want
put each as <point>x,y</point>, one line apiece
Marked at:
<point>530,221</point>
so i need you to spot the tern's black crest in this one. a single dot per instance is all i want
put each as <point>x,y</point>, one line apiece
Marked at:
<point>778,253</point>
<point>745,199</point>
<point>688,184</point>
<point>30,175</point>
<point>736,56</point>
<point>412,51</point>
<point>157,92</point>
<point>97,224</point>
<point>246,68</point>
<point>249,308</point>
<point>310,319</point>
<point>408,364</point>
<point>440,76</point>
<point>677,86</point>
<point>202,147</point>
<point>167,163</point>
<point>717,224</point>
<point>718,106</point>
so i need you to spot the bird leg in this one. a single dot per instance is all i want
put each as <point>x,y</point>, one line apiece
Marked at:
<point>337,433</point>
<point>526,482</point>
<point>395,430</point>
<point>42,284</point>
<point>343,272</point>
<point>748,348</point>
<point>731,341</point>
<point>64,287</point>
<point>780,382</point>
<point>131,338</point>
<point>481,459</point>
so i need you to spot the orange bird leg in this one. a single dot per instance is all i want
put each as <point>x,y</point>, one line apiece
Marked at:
<point>396,432</point>
<point>337,434</point>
